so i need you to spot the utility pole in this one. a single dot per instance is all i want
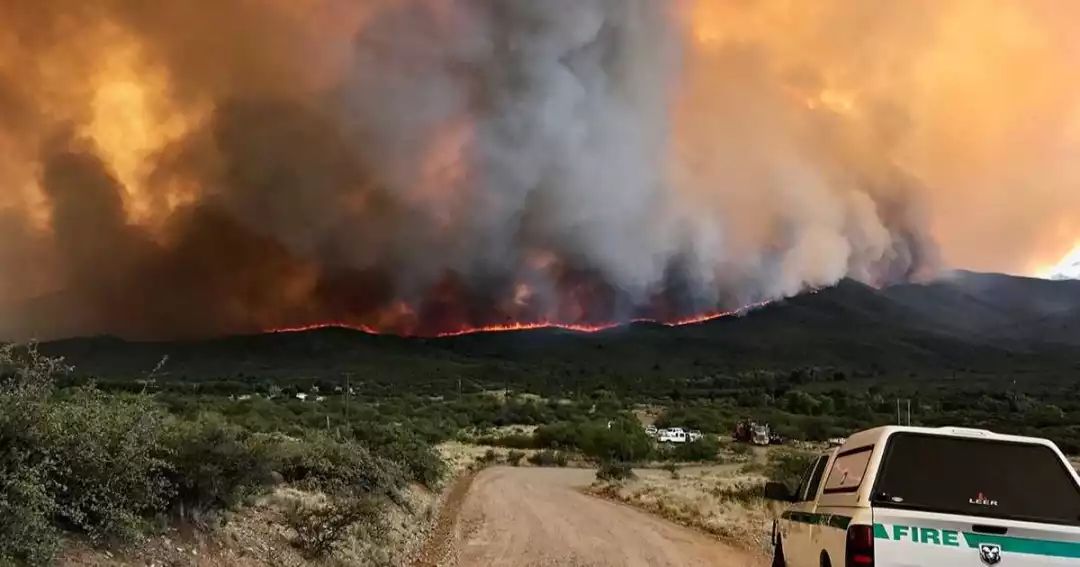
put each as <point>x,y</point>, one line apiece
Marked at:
<point>899,415</point>
<point>348,394</point>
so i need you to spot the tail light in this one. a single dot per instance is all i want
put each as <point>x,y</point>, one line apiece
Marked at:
<point>860,546</point>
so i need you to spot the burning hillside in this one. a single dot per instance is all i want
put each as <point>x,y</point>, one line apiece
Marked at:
<point>438,166</point>
<point>512,326</point>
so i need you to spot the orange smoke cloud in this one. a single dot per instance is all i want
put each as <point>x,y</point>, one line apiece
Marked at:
<point>420,166</point>
<point>976,104</point>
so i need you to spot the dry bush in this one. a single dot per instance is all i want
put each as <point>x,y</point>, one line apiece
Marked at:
<point>321,527</point>
<point>612,471</point>
<point>549,458</point>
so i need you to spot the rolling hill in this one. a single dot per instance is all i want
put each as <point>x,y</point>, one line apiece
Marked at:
<point>965,323</point>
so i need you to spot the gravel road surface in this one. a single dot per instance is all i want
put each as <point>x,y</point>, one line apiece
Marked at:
<point>538,517</point>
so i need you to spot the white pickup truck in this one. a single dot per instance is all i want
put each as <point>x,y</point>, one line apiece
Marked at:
<point>948,497</point>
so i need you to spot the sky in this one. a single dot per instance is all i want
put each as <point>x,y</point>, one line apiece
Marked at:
<point>420,166</point>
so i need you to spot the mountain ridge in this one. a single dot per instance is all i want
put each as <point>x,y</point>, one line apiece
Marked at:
<point>965,322</point>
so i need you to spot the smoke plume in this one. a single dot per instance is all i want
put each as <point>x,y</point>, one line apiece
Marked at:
<point>196,168</point>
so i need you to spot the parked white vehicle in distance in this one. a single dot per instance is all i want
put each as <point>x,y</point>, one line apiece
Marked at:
<point>672,435</point>
<point>944,497</point>
<point>694,435</point>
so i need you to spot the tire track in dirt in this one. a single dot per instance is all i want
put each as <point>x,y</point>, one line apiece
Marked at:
<point>436,550</point>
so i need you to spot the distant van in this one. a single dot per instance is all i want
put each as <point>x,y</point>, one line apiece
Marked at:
<point>948,497</point>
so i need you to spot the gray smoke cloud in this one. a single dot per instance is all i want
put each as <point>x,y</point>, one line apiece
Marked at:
<point>200,168</point>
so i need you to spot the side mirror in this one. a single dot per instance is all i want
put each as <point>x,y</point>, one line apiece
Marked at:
<point>778,491</point>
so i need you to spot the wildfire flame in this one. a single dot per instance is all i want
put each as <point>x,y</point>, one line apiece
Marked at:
<point>534,325</point>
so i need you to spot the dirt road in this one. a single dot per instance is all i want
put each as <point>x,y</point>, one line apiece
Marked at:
<point>537,517</point>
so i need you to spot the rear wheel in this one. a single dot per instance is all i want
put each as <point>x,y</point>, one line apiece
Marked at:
<point>778,555</point>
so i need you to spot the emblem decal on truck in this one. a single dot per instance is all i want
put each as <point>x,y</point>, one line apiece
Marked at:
<point>982,500</point>
<point>990,553</point>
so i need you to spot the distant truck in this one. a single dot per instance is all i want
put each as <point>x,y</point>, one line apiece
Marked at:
<point>944,497</point>
<point>752,432</point>
<point>760,434</point>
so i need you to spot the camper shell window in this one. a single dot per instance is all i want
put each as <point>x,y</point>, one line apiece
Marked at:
<point>977,477</point>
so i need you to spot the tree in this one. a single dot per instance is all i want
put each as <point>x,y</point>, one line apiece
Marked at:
<point>621,440</point>
<point>26,506</point>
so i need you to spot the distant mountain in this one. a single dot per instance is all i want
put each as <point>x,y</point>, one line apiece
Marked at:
<point>965,322</point>
<point>993,307</point>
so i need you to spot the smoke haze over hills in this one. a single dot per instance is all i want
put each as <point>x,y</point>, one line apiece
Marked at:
<point>420,166</point>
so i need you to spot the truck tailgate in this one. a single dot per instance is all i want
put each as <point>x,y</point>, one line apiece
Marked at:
<point>913,538</point>
<point>947,501</point>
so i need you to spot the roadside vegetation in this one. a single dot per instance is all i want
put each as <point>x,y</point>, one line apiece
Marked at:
<point>811,403</point>
<point>168,448</point>
<point>725,498</point>
<point>111,468</point>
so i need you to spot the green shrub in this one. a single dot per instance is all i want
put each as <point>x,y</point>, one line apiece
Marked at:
<point>106,469</point>
<point>321,462</point>
<point>704,449</point>
<point>27,535</point>
<point>214,464</point>
<point>705,418</point>
<point>419,459</point>
<point>514,457</point>
<point>557,435</point>
<point>620,439</point>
